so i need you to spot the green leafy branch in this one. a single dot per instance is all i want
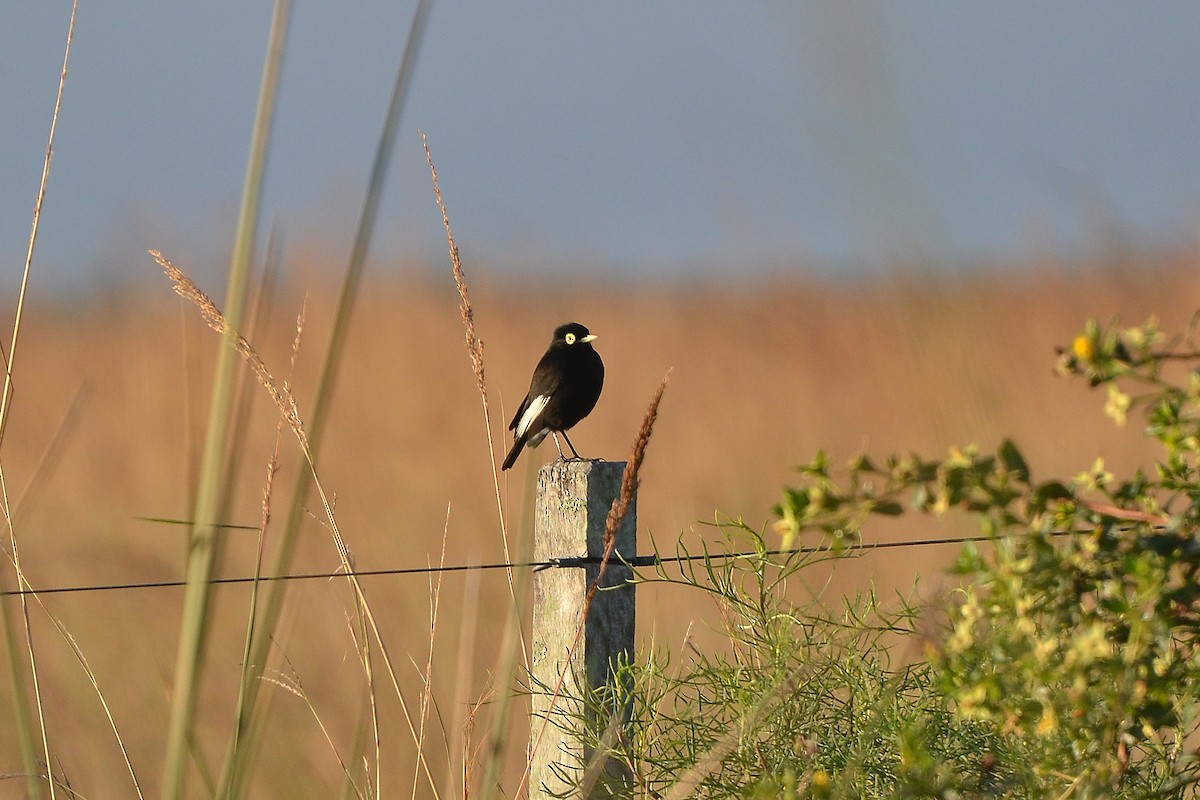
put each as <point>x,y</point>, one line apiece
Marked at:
<point>1078,625</point>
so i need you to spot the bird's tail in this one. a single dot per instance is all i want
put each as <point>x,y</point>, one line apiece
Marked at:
<point>511,458</point>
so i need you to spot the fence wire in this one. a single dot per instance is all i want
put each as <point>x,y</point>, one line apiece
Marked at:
<point>554,563</point>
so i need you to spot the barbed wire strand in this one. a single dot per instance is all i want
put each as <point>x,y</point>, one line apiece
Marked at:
<point>554,563</point>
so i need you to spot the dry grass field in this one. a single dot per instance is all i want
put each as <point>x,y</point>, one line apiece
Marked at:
<point>763,375</point>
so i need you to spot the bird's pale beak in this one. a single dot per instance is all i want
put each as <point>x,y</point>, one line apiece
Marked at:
<point>588,338</point>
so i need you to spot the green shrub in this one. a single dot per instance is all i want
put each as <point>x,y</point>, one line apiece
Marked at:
<point>807,698</point>
<point>1068,668</point>
<point>1076,629</point>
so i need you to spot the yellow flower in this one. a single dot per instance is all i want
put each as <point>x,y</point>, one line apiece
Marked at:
<point>1084,348</point>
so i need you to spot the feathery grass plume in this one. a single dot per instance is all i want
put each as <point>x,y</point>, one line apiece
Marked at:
<point>599,762</point>
<point>474,345</point>
<point>629,480</point>
<point>629,484</point>
<point>513,638</point>
<point>256,317</point>
<point>186,288</point>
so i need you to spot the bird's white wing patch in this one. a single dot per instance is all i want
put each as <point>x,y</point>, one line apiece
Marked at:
<point>536,406</point>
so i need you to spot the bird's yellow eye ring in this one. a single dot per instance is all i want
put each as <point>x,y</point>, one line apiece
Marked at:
<point>570,337</point>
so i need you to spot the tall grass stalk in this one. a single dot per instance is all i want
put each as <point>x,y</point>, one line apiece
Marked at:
<point>242,415</point>
<point>77,651</point>
<point>358,748</point>
<point>475,351</point>
<point>204,533</point>
<point>291,683</point>
<point>14,513</point>
<point>466,659</point>
<point>361,631</point>
<point>23,717</point>
<point>6,395</point>
<point>238,759</point>
<point>506,664</point>
<point>514,638</point>
<point>435,597</point>
<point>248,674</point>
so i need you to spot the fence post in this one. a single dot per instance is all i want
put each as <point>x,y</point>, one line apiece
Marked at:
<point>573,500</point>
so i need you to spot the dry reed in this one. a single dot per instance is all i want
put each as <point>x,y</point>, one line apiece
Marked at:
<point>185,287</point>
<point>629,480</point>
<point>474,345</point>
<point>33,771</point>
<point>514,630</point>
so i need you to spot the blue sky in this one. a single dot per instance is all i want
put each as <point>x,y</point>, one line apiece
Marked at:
<point>665,139</point>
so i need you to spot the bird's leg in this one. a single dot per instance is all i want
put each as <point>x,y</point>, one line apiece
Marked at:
<point>561,457</point>
<point>573,450</point>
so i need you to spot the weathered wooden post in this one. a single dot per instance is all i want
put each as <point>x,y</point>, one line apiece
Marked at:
<point>573,501</point>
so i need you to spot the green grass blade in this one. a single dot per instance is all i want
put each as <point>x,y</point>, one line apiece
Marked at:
<point>22,716</point>
<point>204,535</point>
<point>238,759</point>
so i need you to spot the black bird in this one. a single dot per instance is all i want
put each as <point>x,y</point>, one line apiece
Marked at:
<point>565,387</point>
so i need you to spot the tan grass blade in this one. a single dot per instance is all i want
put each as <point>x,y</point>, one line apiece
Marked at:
<point>51,456</point>
<point>6,394</point>
<point>506,665</point>
<point>466,658</point>
<point>21,704</point>
<point>435,597</point>
<point>291,683</point>
<point>24,503</point>
<point>77,651</point>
